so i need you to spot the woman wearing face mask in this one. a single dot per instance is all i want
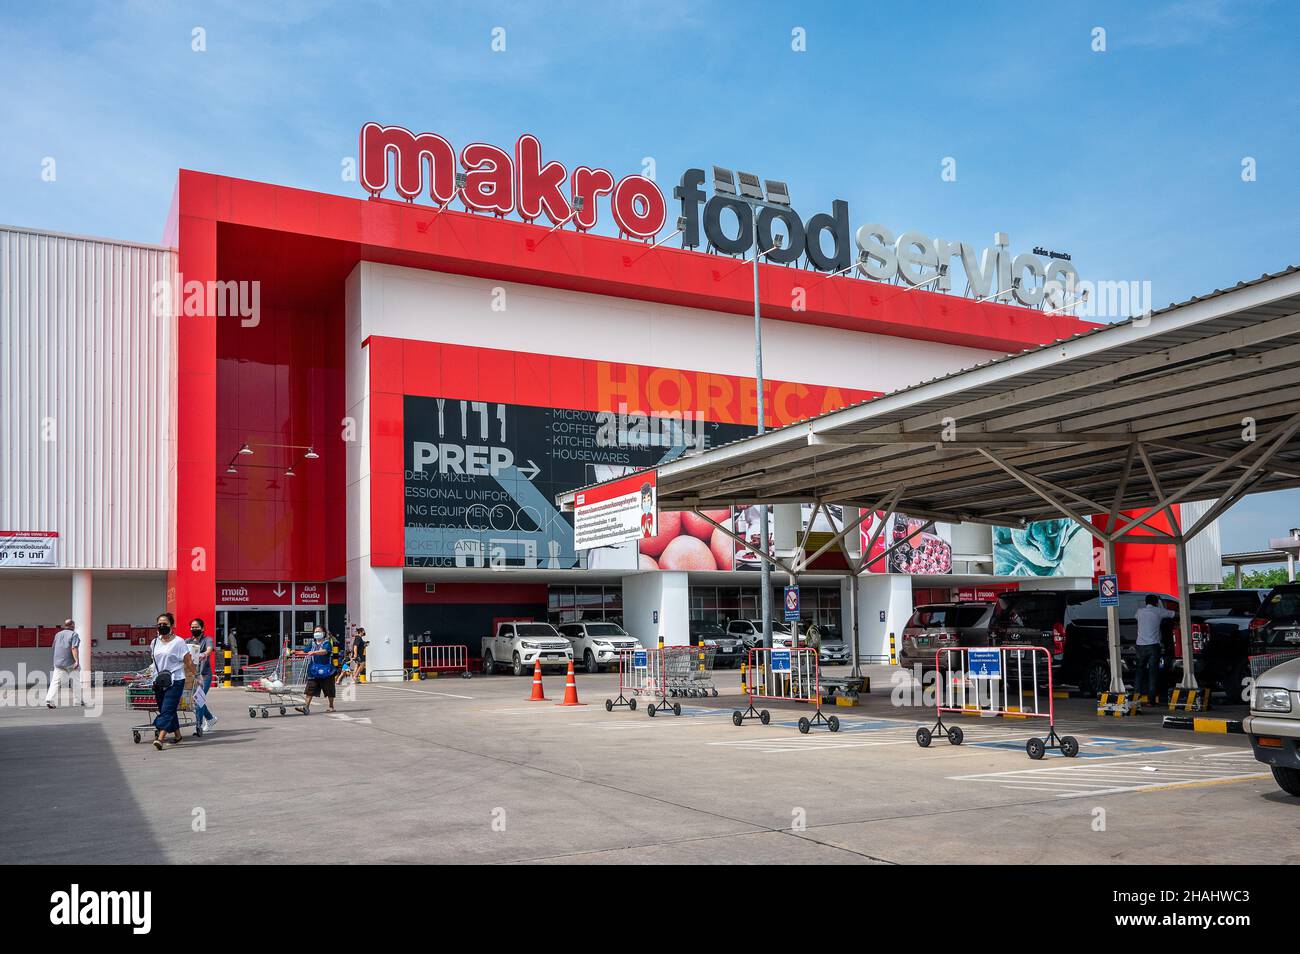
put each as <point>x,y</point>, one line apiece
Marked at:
<point>320,671</point>
<point>173,667</point>
<point>201,648</point>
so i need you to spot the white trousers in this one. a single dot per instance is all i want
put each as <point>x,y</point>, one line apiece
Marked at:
<point>57,675</point>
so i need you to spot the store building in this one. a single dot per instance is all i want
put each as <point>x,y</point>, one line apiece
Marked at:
<point>306,407</point>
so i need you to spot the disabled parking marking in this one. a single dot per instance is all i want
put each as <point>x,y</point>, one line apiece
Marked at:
<point>1078,781</point>
<point>1097,747</point>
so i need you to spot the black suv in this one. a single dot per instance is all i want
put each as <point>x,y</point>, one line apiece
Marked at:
<point>1221,635</point>
<point>1071,626</point>
<point>1277,627</point>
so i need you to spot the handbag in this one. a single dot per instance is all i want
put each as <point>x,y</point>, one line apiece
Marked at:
<point>317,670</point>
<point>163,680</point>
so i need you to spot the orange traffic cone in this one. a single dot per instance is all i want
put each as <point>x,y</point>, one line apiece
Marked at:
<point>571,689</point>
<point>538,695</point>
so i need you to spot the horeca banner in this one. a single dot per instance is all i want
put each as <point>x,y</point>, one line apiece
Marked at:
<point>28,548</point>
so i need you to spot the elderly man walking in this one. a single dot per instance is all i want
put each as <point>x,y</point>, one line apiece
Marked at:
<point>67,656</point>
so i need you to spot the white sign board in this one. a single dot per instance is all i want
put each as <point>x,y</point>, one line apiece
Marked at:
<point>619,511</point>
<point>28,548</point>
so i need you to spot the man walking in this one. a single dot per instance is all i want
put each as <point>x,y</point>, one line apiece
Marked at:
<point>201,648</point>
<point>67,657</point>
<point>1149,618</point>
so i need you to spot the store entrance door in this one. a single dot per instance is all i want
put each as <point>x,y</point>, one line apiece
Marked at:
<point>256,634</point>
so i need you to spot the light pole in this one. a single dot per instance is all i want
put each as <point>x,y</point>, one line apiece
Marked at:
<point>777,198</point>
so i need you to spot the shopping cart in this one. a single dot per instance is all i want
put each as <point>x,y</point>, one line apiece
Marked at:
<point>700,683</point>
<point>679,671</point>
<point>140,698</point>
<point>283,681</point>
<point>118,667</point>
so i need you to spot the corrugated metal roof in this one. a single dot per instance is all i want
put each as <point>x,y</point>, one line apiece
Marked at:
<point>1181,369</point>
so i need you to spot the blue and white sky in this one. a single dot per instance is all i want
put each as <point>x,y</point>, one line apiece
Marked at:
<point>1130,159</point>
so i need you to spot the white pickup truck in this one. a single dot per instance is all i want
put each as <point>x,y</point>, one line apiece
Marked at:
<point>520,645</point>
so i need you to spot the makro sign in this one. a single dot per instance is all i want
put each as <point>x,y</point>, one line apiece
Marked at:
<point>487,178</point>
<point>503,182</point>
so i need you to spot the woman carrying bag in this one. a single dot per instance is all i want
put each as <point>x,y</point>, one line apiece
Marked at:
<point>320,671</point>
<point>173,667</point>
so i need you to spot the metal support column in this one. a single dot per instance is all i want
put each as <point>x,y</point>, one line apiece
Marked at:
<point>1184,610</point>
<point>1112,625</point>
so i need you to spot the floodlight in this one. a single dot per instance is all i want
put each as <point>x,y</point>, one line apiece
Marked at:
<point>749,186</point>
<point>778,193</point>
<point>724,181</point>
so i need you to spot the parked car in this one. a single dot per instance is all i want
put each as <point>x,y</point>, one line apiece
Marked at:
<point>728,650</point>
<point>935,626</point>
<point>1221,621</point>
<point>835,650</point>
<point>750,632</point>
<point>1071,626</point>
<point>1277,627</point>
<point>520,645</point>
<point>1273,725</point>
<point>598,644</point>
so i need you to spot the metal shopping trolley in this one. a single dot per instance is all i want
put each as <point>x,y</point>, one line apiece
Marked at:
<point>282,681</point>
<point>140,698</point>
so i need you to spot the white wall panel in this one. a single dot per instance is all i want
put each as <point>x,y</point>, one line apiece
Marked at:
<point>84,362</point>
<point>433,306</point>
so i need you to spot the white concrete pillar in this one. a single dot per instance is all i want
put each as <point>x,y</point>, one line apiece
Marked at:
<point>375,602</point>
<point>657,605</point>
<point>890,593</point>
<point>374,593</point>
<point>83,615</point>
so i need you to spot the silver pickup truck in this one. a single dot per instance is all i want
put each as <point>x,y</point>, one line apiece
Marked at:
<point>1274,723</point>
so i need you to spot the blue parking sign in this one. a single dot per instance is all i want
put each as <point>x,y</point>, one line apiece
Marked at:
<point>780,660</point>
<point>984,663</point>
<point>639,660</point>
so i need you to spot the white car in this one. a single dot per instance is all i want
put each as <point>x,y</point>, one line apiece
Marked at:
<point>598,644</point>
<point>520,645</point>
<point>750,632</point>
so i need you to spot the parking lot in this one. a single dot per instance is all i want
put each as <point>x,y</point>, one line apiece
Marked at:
<point>467,770</point>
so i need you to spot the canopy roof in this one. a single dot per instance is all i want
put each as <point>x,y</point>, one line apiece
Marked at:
<point>1199,400</point>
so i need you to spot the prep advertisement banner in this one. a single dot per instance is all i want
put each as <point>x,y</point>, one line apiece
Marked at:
<point>621,511</point>
<point>481,479</point>
<point>28,548</point>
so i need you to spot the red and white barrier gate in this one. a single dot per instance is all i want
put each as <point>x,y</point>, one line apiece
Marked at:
<point>996,681</point>
<point>785,675</point>
<point>445,659</point>
<point>645,672</point>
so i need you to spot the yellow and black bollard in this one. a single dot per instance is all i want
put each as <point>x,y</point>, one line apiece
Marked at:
<point>744,689</point>
<point>415,663</point>
<point>893,651</point>
<point>227,677</point>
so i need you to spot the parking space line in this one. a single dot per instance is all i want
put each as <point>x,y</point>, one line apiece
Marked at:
<point>418,692</point>
<point>1077,781</point>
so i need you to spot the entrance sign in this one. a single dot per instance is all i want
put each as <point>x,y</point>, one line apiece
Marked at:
<point>792,604</point>
<point>619,511</point>
<point>29,548</point>
<point>1108,590</point>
